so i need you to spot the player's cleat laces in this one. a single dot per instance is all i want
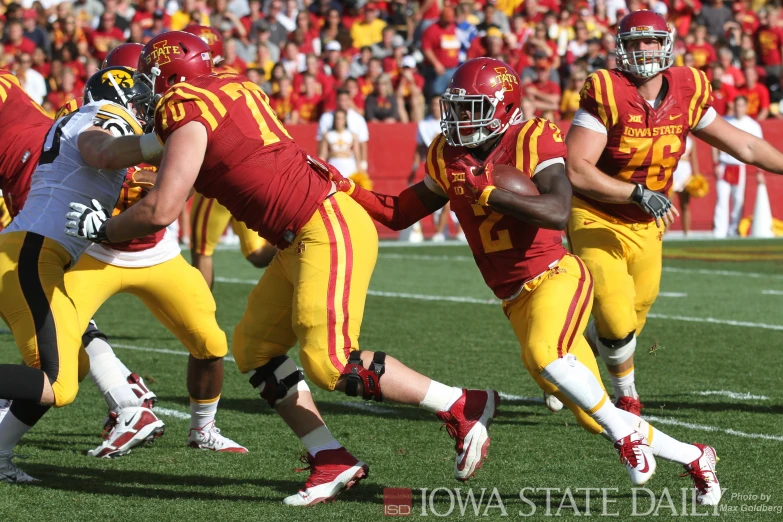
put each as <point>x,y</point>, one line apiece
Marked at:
<point>705,481</point>
<point>637,456</point>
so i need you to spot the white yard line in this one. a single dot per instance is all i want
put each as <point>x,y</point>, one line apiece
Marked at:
<point>519,398</point>
<point>730,273</point>
<point>369,407</point>
<point>157,350</point>
<point>705,427</point>
<point>772,292</point>
<point>168,412</point>
<point>733,395</point>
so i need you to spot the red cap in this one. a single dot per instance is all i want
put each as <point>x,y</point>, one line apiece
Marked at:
<point>370,6</point>
<point>29,14</point>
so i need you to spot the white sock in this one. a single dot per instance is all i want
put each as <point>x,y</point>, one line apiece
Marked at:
<point>440,397</point>
<point>320,439</point>
<point>124,369</point>
<point>202,413</point>
<point>105,371</point>
<point>577,382</point>
<point>11,432</point>
<point>663,445</point>
<point>624,386</point>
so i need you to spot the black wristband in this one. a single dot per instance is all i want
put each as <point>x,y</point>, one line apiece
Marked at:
<point>637,196</point>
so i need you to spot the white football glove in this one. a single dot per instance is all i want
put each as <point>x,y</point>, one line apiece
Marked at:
<point>87,222</point>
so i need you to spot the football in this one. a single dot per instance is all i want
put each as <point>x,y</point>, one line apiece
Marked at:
<point>514,180</point>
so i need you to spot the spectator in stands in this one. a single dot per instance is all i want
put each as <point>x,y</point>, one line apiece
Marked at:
<point>282,102</point>
<point>288,16</point>
<point>465,30</point>
<point>368,80</point>
<point>273,85</point>
<point>66,91</point>
<point>595,58</point>
<point>385,48</point>
<point>182,17</point>
<point>361,62</point>
<point>308,105</point>
<point>356,124</point>
<point>409,88</point>
<point>334,30</point>
<point>278,33</point>
<point>492,16</point>
<point>748,60</point>
<point>332,56</point>
<point>687,167</point>
<point>231,60</point>
<point>16,43</point>
<point>382,105</point>
<point>756,95</point>
<point>440,47</point>
<point>577,47</point>
<point>722,94</point>
<point>732,76</point>
<point>769,44</point>
<point>368,30</point>
<point>352,86</point>
<point>340,146</point>
<point>702,50</point>
<point>34,32</point>
<point>31,80</point>
<point>263,61</point>
<point>87,9</point>
<point>730,174</point>
<point>543,92</point>
<point>714,15</point>
<point>105,37</point>
<point>569,102</point>
<point>293,61</point>
<point>263,37</point>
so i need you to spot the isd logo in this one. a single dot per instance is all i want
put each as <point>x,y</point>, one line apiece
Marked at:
<point>123,78</point>
<point>504,79</point>
<point>161,53</point>
<point>641,29</point>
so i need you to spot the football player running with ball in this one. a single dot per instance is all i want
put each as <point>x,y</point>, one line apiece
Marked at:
<point>222,138</point>
<point>546,293</point>
<point>623,146</point>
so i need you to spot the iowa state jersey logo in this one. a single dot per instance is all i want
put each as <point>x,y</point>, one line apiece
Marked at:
<point>161,53</point>
<point>503,80</point>
<point>123,78</point>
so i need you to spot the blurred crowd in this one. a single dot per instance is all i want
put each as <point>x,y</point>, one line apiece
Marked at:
<point>391,57</point>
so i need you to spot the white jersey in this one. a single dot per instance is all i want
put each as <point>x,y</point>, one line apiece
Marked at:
<point>62,176</point>
<point>165,250</point>
<point>747,124</point>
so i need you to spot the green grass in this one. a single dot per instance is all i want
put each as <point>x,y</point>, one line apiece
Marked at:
<point>466,344</point>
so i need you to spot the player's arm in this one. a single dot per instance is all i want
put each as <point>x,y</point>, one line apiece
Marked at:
<point>551,209</point>
<point>179,168</point>
<point>745,147</point>
<point>585,147</point>
<point>101,150</point>
<point>396,212</point>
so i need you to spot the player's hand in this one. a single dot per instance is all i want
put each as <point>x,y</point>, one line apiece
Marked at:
<point>477,179</point>
<point>655,204</point>
<point>87,222</point>
<point>342,183</point>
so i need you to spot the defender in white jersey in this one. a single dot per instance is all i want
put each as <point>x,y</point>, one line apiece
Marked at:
<point>84,158</point>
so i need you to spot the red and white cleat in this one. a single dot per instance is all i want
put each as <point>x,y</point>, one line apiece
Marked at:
<point>467,423</point>
<point>331,473</point>
<point>209,438</point>
<point>145,395</point>
<point>130,428</point>
<point>702,471</point>
<point>638,458</point>
<point>630,405</point>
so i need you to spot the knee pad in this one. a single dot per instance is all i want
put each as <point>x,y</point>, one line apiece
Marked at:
<point>278,380</point>
<point>370,378</point>
<point>575,381</point>
<point>616,351</point>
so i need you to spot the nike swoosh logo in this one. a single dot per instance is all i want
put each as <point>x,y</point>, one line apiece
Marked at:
<point>589,221</point>
<point>461,465</point>
<point>128,422</point>
<point>646,463</point>
<point>674,116</point>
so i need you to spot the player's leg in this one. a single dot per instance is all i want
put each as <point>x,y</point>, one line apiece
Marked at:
<point>737,202</point>
<point>645,266</point>
<point>208,221</point>
<point>255,248</point>
<point>36,307</point>
<point>179,298</point>
<point>130,422</point>
<point>685,211</point>
<point>720,224</point>
<point>549,318</point>
<point>603,246</point>
<point>332,277</point>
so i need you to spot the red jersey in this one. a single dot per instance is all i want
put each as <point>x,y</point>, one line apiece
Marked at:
<point>102,42</point>
<point>25,46</point>
<point>508,251</point>
<point>309,108</point>
<point>703,55</point>
<point>758,98</point>
<point>721,98</point>
<point>444,44</point>
<point>282,105</point>
<point>768,42</point>
<point>251,166</point>
<point>23,127</point>
<point>643,144</point>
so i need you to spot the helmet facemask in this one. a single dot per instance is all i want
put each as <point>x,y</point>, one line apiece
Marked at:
<point>647,63</point>
<point>149,107</point>
<point>469,120</point>
<point>135,96</point>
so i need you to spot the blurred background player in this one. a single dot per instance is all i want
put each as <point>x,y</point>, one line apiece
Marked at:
<point>314,290</point>
<point>730,176</point>
<point>623,146</point>
<point>208,218</point>
<point>683,177</point>
<point>546,293</point>
<point>84,158</point>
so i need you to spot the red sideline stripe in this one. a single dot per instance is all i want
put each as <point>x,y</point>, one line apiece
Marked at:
<point>571,310</point>
<point>348,272</point>
<point>331,315</point>
<point>204,227</point>
<point>588,297</point>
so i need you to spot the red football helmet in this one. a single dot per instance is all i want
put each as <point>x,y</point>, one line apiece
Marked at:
<point>125,55</point>
<point>648,63</point>
<point>483,98</point>
<point>212,37</point>
<point>171,58</point>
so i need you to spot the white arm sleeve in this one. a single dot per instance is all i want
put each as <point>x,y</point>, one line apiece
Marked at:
<point>588,121</point>
<point>707,118</point>
<point>433,186</point>
<point>544,164</point>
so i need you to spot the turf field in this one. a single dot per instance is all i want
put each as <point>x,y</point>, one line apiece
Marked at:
<point>715,377</point>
